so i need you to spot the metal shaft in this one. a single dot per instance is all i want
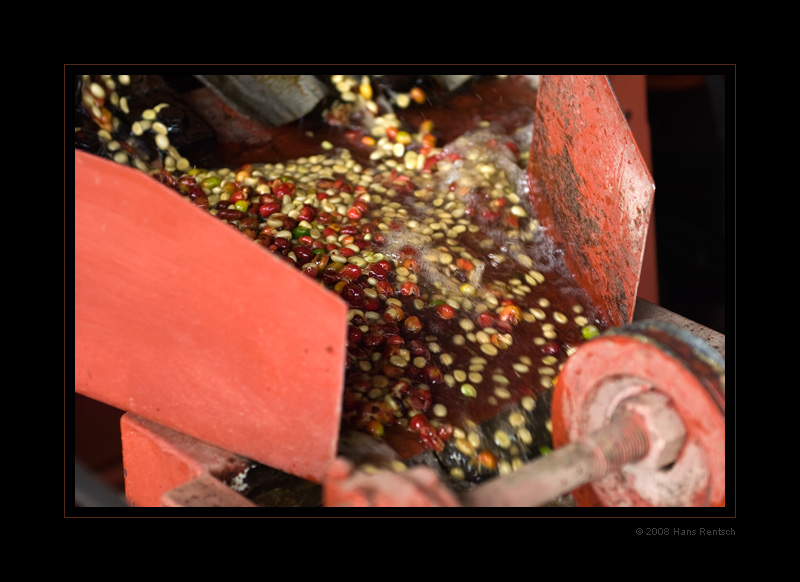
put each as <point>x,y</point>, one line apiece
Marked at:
<point>620,442</point>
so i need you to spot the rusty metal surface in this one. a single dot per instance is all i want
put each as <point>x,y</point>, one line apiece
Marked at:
<point>650,311</point>
<point>591,188</point>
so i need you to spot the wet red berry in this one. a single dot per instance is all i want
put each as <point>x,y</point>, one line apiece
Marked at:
<point>432,374</point>
<point>551,348</point>
<point>373,339</point>
<point>410,289</point>
<point>307,213</point>
<point>417,422</point>
<point>445,311</point>
<point>420,399</point>
<point>354,335</point>
<point>395,340</point>
<point>485,319</point>
<point>445,432</point>
<point>354,295</point>
<point>384,289</point>
<point>303,254</point>
<point>268,208</point>
<point>377,270</point>
<point>412,324</point>
<point>350,272</point>
<point>282,189</point>
<point>431,440</point>
<point>310,269</point>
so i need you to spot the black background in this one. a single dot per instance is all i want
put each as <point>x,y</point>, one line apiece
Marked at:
<point>691,134</point>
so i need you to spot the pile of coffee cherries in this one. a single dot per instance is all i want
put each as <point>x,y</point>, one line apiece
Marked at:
<point>460,312</point>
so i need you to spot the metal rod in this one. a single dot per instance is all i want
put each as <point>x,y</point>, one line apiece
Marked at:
<point>621,442</point>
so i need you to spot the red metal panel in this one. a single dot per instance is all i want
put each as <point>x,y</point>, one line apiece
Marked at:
<point>591,188</point>
<point>631,91</point>
<point>166,468</point>
<point>184,321</point>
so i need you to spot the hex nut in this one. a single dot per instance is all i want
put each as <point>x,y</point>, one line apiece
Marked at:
<point>663,425</point>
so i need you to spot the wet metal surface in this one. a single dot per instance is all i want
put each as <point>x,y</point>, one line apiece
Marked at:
<point>591,188</point>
